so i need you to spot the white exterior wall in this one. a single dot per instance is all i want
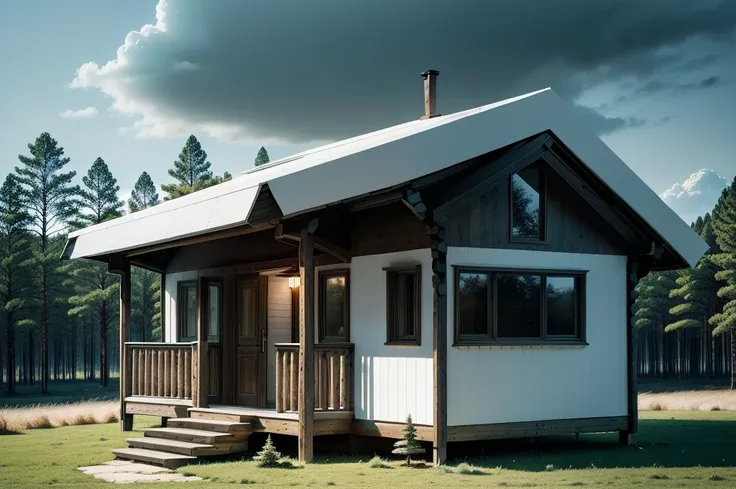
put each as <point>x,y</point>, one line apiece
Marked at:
<point>170,332</point>
<point>500,385</point>
<point>279,326</point>
<point>390,381</point>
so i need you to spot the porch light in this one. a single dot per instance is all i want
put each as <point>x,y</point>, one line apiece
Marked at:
<point>293,282</point>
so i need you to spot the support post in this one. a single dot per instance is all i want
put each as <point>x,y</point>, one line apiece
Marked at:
<point>632,279</point>
<point>306,343</point>
<point>200,378</point>
<point>123,269</point>
<point>439,333</point>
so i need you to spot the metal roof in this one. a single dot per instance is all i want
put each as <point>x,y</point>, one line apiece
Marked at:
<point>382,159</point>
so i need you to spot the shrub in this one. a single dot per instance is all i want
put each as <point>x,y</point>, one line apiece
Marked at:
<point>5,428</point>
<point>81,419</point>
<point>378,463</point>
<point>716,408</point>
<point>408,445</point>
<point>656,406</point>
<point>40,423</point>
<point>467,469</point>
<point>550,468</point>
<point>268,456</point>
<point>111,418</point>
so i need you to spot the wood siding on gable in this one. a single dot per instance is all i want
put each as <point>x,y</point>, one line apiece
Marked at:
<point>482,221</point>
<point>386,229</point>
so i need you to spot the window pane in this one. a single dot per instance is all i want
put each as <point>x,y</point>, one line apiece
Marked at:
<point>191,317</point>
<point>519,306</point>
<point>525,201</point>
<point>561,306</point>
<point>214,313</point>
<point>402,296</point>
<point>335,306</point>
<point>472,303</point>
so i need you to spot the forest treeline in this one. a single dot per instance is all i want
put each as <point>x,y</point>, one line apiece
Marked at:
<point>60,318</point>
<point>686,319</point>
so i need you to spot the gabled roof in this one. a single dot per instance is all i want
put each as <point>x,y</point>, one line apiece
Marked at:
<point>383,159</point>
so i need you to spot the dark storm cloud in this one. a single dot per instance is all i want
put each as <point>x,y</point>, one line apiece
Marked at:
<point>326,69</point>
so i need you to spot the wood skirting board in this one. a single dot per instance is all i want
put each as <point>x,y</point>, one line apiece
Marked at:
<point>530,429</point>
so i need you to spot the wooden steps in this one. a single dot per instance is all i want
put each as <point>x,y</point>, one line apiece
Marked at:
<point>185,439</point>
<point>165,459</point>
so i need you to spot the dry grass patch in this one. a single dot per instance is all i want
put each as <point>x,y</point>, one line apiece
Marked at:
<point>53,415</point>
<point>5,427</point>
<point>702,400</point>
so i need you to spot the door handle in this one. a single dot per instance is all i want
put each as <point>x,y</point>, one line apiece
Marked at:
<point>263,341</point>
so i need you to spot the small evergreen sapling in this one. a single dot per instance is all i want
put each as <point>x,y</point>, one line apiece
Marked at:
<point>268,456</point>
<point>408,445</point>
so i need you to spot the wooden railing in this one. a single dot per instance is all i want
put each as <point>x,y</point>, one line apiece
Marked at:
<point>161,369</point>
<point>333,376</point>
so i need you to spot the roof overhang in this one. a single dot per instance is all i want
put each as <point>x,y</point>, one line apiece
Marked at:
<point>209,210</point>
<point>384,159</point>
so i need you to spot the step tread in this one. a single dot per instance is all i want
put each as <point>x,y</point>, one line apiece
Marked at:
<point>188,432</point>
<point>168,443</point>
<point>210,425</point>
<point>166,459</point>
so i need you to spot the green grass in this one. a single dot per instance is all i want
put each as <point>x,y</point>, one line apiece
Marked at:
<point>673,449</point>
<point>60,392</point>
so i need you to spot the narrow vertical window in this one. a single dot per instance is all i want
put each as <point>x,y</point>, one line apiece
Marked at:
<point>334,301</point>
<point>214,313</point>
<point>187,310</point>
<point>528,204</point>
<point>403,305</point>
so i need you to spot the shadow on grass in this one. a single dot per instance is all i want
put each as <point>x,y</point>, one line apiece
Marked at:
<point>659,443</point>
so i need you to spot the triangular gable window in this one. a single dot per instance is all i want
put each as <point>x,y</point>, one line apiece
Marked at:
<point>528,204</point>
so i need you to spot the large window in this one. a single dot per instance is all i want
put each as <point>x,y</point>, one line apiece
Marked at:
<point>334,299</point>
<point>519,306</point>
<point>186,303</point>
<point>403,305</point>
<point>528,204</point>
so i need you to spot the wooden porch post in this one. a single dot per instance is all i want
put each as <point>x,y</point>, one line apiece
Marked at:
<point>123,269</point>
<point>633,274</point>
<point>306,342</point>
<point>201,375</point>
<point>439,330</point>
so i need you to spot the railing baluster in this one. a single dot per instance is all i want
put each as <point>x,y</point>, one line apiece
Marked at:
<point>343,381</point>
<point>180,374</point>
<point>286,372</point>
<point>279,384</point>
<point>294,404</point>
<point>187,375</point>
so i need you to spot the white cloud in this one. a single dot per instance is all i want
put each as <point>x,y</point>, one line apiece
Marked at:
<point>696,195</point>
<point>320,70</point>
<point>79,114</point>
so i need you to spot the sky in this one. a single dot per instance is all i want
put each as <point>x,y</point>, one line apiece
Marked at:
<point>129,81</point>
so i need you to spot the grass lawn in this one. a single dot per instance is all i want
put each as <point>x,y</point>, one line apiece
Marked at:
<point>61,392</point>
<point>673,449</point>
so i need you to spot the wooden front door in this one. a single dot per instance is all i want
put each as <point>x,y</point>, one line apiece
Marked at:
<point>250,356</point>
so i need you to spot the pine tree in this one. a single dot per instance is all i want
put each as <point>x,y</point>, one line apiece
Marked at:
<point>268,456</point>
<point>144,194</point>
<point>15,275</point>
<point>96,291</point>
<point>724,227</point>
<point>145,284</point>
<point>51,201</point>
<point>262,157</point>
<point>408,445</point>
<point>191,171</point>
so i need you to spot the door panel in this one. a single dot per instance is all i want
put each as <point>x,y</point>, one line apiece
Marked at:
<point>250,360</point>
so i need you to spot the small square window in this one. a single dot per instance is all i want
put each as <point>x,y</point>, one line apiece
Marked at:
<point>403,305</point>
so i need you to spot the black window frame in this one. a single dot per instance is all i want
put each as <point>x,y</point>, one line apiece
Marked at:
<point>542,239</point>
<point>323,276</point>
<point>391,337</point>
<point>491,336</point>
<point>181,309</point>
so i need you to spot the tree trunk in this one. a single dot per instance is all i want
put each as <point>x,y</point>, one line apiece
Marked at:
<point>31,360</point>
<point>733,359</point>
<point>74,351</point>
<point>10,335</point>
<point>44,334</point>
<point>103,346</point>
